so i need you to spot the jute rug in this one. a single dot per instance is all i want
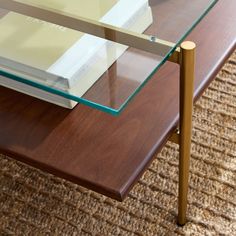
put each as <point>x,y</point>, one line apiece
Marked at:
<point>36,203</point>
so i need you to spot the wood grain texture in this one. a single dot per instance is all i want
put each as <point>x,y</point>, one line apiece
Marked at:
<point>104,153</point>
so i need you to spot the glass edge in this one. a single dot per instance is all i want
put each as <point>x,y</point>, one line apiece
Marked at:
<point>60,93</point>
<point>109,110</point>
<point>204,13</point>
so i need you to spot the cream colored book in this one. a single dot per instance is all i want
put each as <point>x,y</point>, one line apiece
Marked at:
<point>76,60</point>
<point>40,44</point>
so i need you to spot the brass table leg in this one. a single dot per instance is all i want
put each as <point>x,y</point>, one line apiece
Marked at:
<point>187,61</point>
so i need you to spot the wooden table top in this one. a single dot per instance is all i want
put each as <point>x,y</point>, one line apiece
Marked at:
<point>105,153</point>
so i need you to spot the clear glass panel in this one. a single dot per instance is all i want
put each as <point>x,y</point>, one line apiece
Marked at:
<point>60,63</point>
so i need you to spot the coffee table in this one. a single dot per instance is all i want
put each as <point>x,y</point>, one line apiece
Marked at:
<point>64,143</point>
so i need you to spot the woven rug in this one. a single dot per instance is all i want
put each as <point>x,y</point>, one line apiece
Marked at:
<point>36,203</point>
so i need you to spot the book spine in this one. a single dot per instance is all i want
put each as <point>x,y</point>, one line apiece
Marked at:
<point>31,73</point>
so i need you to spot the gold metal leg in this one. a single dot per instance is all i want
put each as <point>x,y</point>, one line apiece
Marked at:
<point>187,61</point>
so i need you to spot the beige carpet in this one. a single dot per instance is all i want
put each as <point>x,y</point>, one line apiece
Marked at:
<point>36,203</point>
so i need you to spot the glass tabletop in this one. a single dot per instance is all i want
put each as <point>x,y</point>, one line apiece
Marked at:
<point>96,52</point>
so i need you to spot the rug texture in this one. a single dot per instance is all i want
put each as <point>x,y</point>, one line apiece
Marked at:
<point>36,203</point>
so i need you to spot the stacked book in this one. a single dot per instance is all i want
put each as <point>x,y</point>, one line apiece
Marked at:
<point>62,58</point>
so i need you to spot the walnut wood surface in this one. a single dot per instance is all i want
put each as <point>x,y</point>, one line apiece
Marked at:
<point>104,153</point>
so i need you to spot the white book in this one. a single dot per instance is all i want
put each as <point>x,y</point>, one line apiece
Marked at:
<point>78,68</point>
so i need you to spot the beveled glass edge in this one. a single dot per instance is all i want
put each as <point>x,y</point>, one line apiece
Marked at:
<point>95,105</point>
<point>81,100</point>
<point>166,58</point>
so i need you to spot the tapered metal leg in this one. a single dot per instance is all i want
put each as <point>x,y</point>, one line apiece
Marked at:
<point>187,61</point>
